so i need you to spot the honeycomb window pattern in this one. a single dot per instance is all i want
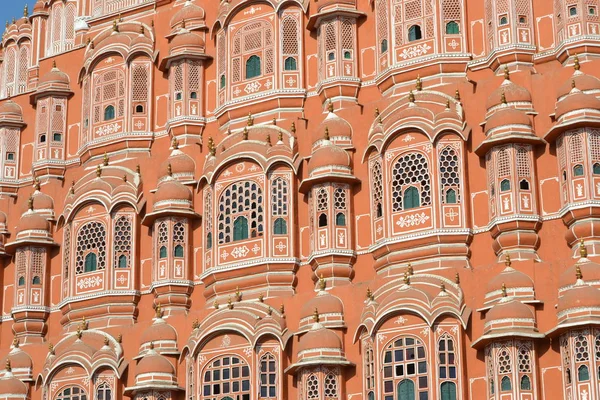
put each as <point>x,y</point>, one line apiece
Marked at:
<point>449,172</point>
<point>312,388</point>
<point>91,238</point>
<point>410,170</point>
<point>330,387</point>
<point>122,240</point>
<point>240,199</point>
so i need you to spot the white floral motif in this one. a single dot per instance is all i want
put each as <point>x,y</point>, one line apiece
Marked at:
<point>252,87</point>
<point>381,338</point>
<point>412,220</point>
<point>408,138</point>
<point>248,351</point>
<point>400,321</point>
<point>415,51</point>
<point>226,341</point>
<point>201,359</point>
<point>239,252</point>
<point>90,282</point>
<point>108,129</point>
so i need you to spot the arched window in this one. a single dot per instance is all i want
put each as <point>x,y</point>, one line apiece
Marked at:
<point>109,113</point>
<point>139,109</point>
<point>36,280</point>
<point>209,240</point>
<point>524,185</point>
<point>178,251</point>
<point>43,138</point>
<point>61,24</point>
<point>280,227</point>
<point>414,33</point>
<point>228,375</point>
<point>222,82</point>
<point>505,384</point>
<point>449,166</point>
<point>21,281</point>
<point>162,253</point>
<point>312,388</point>
<point>122,261</point>
<point>122,243</point>
<point>330,386</point>
<point>572,11</point>
<point>322,220</point>
<point>371,396</point>
<point>583,374</point>
<point>448,390</point>
<point>525,383</point>
<point>578,170</point>
<point>452,28</point>
<point>596,168</point>
<point>91,262</point>
<point>72,393</point>
<point>411,170</point>
<point>505,185</point>
<point>240,228</point>
<point>412,198</point>
<point>446,355</point>
<point>193,95</point>
<point>104,392</point>
<point>384,46</point>
<point>253,67</point>
<point>340,219</point>
<point>503,20</point>
<point>450,196</point>
<point>290,64</point>
<point>377,189</point>
<point>405,369</point>
<point>268,377</point>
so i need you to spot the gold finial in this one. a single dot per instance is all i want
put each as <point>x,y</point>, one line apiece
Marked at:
<point>316,315</point>
<point>105,159</point>
<point>330,106</point>
<point>504,290</point>
<point>211,146</point>
<point>456,95</point>
<point>409,269</point>
<point>457,278</point>
<point>322,283</point>
<point>442,287</point>
<point>8,367</point>
<point>16,343</point>
<point>51,348</point>
<point>411,97</point>
<point>98,171</point>
<point>268,140</point>
<point>14,20</point>
<point>183,24</point>
<point>169,169</point>
<point>151,345</point>
<point>326,136</point>
<point>120,338</point>
<point>507,260</point>
<point>245,133</point>
<point>369,294</point>
<point>124,177</point>
<point>174,143</point>
<point>576,63</point>
<point>142,30</point>
<point>30,203</point>
<point>138,169</point>
<point>376,112</point>
<point>238,294</point>
<point>78,333</point>
<point>578,273</point>
<point>419,84</point>
<point>195,324</point>
<point>270,311</point>
<point>53,64</point>
<point>84,324</point>
<point>250,119</point>
<point>573,85</point>
<point>230,303</point>
<point>406,278</point>
<point>92,45</point>
<point>280,136</point>
<point>275,121</point>
<point>106,340</point>
<point>282,309</point>
<point>158,310</point>
<point>72,187</point>
<point>216,305</point>
<point>503,97</point>
<point>293,128</point>
<point>506,73</point>
<point>261,298</point>
<point>582,249</point>
<point>115,26</point>
<point>447,104</point>
<point>26,11</point>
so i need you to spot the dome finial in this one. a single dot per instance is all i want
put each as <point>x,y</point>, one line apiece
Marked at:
<point>15,342</point>
<point>98,171</point>
<point>84,324</point>
<point>216,304</point>
<point>105,159</point>
<point>195,324</point>
<point>280,136</point>
<point>406,278</point>
<point>238,294</point>
<point>115,26</point>
<point>282,309</point>
<point>151,345</point>
<point>169,170</point>
<point>72,190</point>
<point>506,73</point>
<point>507,261</point>
<point>8,368</point>
<point>456,95</point>
<point>293,128</point>
<point>442,287</point>
<point>30,203</point>
<point>36,183</point>
<point>159,312</point>
<point>124,177</point>
<point>183,24</point>
<point>322,284</point>
<point>51,348</point>
<point>376,112</point>
<point>316,316</point>
<point>503,97</point>
<point>106,342</point>
<point>330,106</point>
<point>261,297</point>
<point>326,136</point>
<point>582,249</point>
<point>503,290</point>
<point>120,338</point>
<point>409,269</point>
<point>53,64</point>
<point>576,65</point>
<point>457,278</point>
<point>411,97</point>
<point>419,84</point>
<point>369,294</point>
<point>250,119</point>
<point>268,140</point>
<point>174,143</point>
<point>578,273</point>
<point>230,303</point>
<point>142,30</point>
<point>26,11</point>
<point>79,333</point>
<point>245,133</point>
<point>211,146</point>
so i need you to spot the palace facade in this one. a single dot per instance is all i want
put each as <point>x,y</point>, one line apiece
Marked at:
<point>300,199</point>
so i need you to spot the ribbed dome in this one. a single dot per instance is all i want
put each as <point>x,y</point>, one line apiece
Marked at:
<point>508,309</point>
<point>79,346</point>
<point>583,82</point>
<point>511,91</point>
<point>324,303</point>
<point>507,116</point>
<point>319,338</point>
<point>39,6</point>
<point>10,110</point>
<point>54,77</point>
<point>181,164</point>
<point>11,386</point>
<point>580,296</point>
<point>186,39</point>
<point>576,101</point>
<point>190,13</point>
<point>42,201</point>
<point>510,278</point>
<point>327,156</point>
<point>154,363</point>
<point>159,331</point>
<point>19,359</point>
<point>589,270</point>
<point>172,190</point>
<point>336,126</point>
<point>32,221</point>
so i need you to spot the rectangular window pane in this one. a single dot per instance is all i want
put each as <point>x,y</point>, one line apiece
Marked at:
<point>422,382</point>
<point>388,386</point>
<point>410,369</point>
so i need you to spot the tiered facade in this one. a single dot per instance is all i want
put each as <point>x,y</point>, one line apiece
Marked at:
<point>300,199</point>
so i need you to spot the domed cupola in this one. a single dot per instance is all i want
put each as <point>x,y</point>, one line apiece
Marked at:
<point>509,93</point>
<point>340,130</point>
<point>154,372</point>
<point>33,228</point>
<point>160,335</point>
<point>171,198</point>
<point>331,310</point>
<point>54,82</point>
<point>20,361</point>
<point>39,8</point>
<point>182,166</point>
<point>587,84</point>
<point>11,114</point>
<point>588,268</point>
<point>189,16</point>
<point>42,203</point>
<point>12,388</point>
<point>516,284</point>
<point>508,318</point>
<point>319,346</point>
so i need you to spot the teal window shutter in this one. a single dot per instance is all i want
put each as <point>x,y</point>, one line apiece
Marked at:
<point>252,67</point>
<point>412,198</point>
<point>240,228</point>
<point>91,262</point>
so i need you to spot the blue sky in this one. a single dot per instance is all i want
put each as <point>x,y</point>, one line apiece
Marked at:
<point>13,8</point>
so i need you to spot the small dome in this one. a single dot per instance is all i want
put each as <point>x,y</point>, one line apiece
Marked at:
<point>580,296</point>
<point>10,110</point>
<point>583,82</point>
<point>154,363</point>
<point>54,77</point>
<point>159,331</point>
<point>19,359</point>
<point>181,164</point>
<point>511,91</point>
<point>576,101</point>
<point>42,201</point>
<point>190,13</point>
<point>79,346</point>
<point>507,116</point>
<point>589,270</point>
<point>172,190</point>
<point>186,39</point>
<point>508,309</point>
<point>11,387</point>
<point>510,278</point>
<point>32,221</point>
<point>319,338</point>
<point>336,126</point>
<point>324,303</point>
<point>329,155</point>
